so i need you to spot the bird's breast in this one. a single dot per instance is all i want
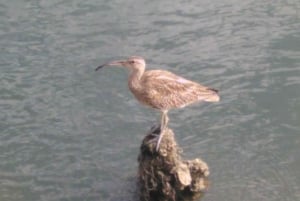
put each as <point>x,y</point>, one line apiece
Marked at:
<point>148,97</point>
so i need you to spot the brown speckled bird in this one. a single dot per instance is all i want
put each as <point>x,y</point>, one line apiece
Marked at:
<point>162,90</point>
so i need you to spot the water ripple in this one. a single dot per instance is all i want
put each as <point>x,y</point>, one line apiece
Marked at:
<point>69,133</point>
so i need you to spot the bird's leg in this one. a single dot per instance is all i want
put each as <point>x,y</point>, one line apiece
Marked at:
<point>163,126</point>
<point>164,121</point>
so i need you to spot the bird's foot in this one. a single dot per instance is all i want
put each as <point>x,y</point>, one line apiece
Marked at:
<point>157,133</point>
<point>162,129</point>
<point>155,130</point>
<point>158,141</point>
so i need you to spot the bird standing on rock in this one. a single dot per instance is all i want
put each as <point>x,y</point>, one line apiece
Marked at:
<point>162,90</point>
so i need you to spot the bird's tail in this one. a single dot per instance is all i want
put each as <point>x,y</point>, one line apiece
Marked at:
<point>212,95</point>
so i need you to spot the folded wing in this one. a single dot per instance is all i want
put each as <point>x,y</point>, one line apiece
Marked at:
<point>168,90</point>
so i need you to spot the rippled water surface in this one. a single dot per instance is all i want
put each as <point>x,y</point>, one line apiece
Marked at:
<point>70,133</point>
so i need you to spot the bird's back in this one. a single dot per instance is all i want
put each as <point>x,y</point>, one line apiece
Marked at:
<point>164,90</point>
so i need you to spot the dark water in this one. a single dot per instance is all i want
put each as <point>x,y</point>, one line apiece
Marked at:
<point>69,133</point>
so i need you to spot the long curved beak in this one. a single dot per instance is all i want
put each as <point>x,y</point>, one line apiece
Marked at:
<point>113,63</point>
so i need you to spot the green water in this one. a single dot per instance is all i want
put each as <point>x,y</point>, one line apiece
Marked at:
<point>69,133</point>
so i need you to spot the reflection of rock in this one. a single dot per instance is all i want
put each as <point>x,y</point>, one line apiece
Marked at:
<point>163,175</point>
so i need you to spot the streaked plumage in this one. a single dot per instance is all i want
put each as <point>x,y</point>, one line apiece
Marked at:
<point>162,89</point>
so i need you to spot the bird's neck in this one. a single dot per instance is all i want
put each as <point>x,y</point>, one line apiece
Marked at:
<point>135,78</point>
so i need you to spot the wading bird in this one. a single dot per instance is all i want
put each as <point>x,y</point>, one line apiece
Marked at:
<point>162,90</point>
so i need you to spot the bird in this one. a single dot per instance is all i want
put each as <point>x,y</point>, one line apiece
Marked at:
<point>162,90</point>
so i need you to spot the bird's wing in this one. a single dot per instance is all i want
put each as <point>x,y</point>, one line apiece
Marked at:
<point>176,91</point>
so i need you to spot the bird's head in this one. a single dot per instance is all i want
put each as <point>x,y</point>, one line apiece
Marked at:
<point>133,63</point>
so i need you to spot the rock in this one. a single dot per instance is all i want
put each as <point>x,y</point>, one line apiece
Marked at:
<point>163,175</point>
